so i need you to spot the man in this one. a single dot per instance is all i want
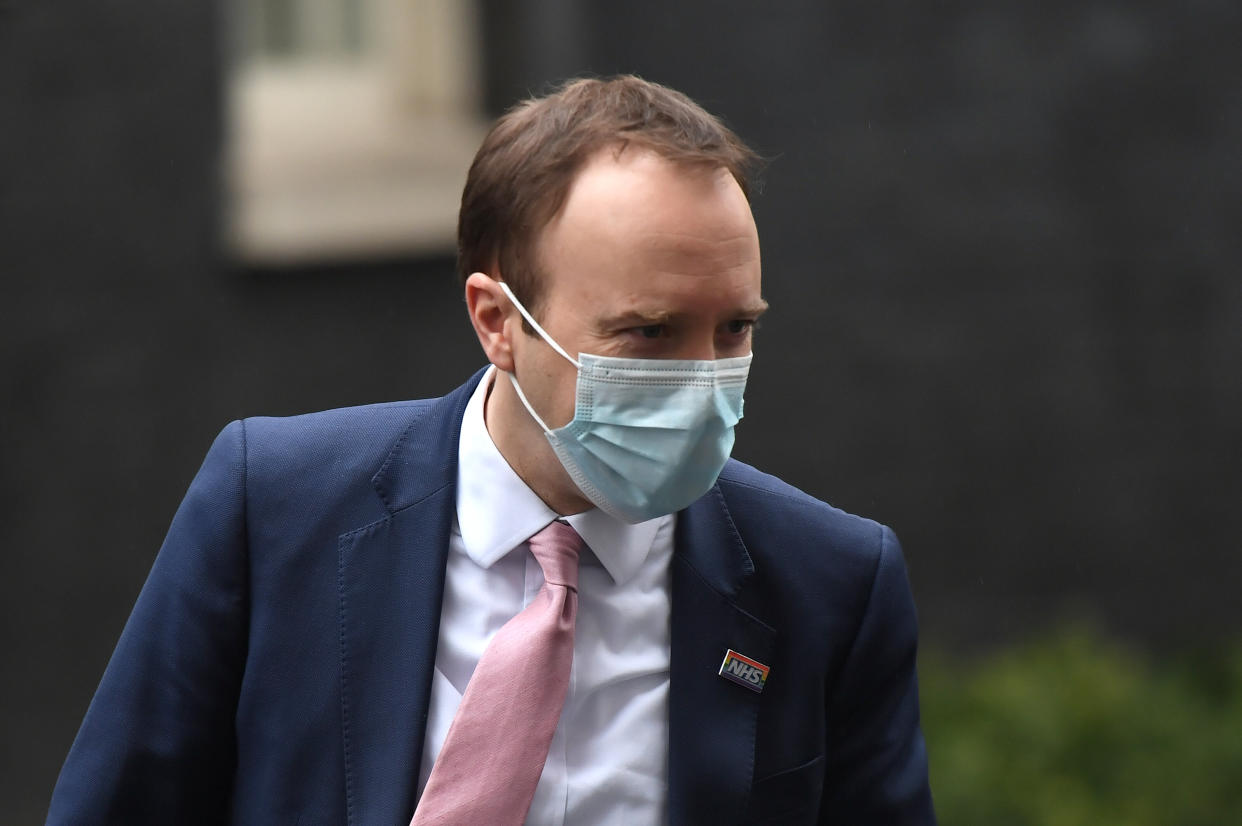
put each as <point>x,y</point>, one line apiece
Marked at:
<point>322,608</point>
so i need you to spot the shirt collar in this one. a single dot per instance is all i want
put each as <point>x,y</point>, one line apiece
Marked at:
<point>497,512</point>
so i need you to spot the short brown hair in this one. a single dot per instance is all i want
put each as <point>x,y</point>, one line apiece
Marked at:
<point>522,172</point>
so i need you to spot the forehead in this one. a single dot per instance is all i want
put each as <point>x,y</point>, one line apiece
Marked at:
<point>634,212</point>
<point>632,179</point>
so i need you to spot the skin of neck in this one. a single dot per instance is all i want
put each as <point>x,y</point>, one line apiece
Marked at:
<point>524,446</point>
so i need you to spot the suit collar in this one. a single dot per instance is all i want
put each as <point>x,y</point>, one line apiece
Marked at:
<point>709,543</point>
<point>424,458</point>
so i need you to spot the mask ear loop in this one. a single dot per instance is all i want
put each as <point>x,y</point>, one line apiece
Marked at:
<point>513,380</point>
<point>544,335</point>
<point>531,319</point>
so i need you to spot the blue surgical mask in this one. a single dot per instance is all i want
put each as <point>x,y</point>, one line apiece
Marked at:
<point>648,436</point>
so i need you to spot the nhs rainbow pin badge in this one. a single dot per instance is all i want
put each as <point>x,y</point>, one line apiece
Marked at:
<point>744,671</point>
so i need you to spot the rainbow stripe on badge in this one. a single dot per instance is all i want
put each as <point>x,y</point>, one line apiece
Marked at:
<point>744,671</point>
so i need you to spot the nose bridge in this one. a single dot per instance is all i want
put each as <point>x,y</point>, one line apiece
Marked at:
<point>701,352</point>
<point>699,342</point>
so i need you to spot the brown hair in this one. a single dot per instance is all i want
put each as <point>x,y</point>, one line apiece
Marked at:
<point>522,172</point>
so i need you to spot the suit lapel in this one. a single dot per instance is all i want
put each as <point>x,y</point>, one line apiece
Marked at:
<point>712,722</point>
<point>391,583</point>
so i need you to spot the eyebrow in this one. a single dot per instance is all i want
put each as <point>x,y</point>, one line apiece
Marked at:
<point>641,318</point>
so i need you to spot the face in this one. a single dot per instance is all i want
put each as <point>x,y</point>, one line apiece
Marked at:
<point>646,259</point>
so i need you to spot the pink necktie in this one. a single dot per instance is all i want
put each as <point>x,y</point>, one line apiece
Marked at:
<point>495,749</point>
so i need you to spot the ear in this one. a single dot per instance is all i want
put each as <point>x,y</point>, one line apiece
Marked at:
<point>494,318</point>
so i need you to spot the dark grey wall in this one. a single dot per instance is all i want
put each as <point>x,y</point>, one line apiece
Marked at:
<point>1000,244</point>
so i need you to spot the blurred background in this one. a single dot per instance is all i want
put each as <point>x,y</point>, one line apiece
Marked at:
<point>1001,244</point>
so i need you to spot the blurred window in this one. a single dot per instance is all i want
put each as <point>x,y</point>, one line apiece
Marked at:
<point>351,126</point>
<point>299,28</point>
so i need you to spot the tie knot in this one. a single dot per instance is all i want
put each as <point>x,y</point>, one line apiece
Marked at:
<point>556,550</point>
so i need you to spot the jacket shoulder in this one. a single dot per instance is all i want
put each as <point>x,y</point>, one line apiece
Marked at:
<point>775,505</point>
<point>804,545</point>
<point>316,458</point>
<point>351,427</point>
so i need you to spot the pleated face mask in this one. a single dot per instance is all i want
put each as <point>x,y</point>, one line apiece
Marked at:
<point>648,436</point>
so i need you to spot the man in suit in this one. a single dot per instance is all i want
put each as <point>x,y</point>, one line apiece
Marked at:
<point>742,652</point>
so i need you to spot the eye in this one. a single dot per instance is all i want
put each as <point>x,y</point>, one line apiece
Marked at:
<point>650,330</point>
<point>738,326</point>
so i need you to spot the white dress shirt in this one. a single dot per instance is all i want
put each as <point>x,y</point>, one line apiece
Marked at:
<point>608,763</point>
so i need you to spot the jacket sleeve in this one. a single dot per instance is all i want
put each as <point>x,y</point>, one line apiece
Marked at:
<point>876,770</point>
<point>157,744</point>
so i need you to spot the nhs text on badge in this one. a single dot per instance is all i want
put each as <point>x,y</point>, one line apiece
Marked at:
<point>744,671</point>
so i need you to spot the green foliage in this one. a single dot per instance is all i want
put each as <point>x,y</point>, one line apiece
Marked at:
<point>1078,731</point>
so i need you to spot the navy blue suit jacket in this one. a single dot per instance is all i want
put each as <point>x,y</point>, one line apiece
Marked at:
<point>277,665</point>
